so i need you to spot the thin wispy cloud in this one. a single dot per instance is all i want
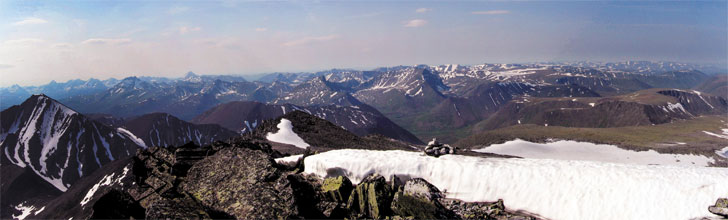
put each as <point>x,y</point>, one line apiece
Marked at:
<point>366,15</point>
<point>24,41</point>
<point>62,45</point>
<point>28,21</point>
<point>423,10</point>
<point>491,12</point>
<point>185,29</point>
<point>70,40</point>
<point>415,23</point>
<point>177,10</point>
<point>308,40</point>
<point>109,41</point>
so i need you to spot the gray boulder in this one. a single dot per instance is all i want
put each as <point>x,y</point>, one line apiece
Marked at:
<point>418,199</point>
<point>720,207</point>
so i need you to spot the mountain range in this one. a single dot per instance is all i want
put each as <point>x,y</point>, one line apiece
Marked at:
<point>60,146</point>
<point>427,101</point>
<point>362,120</point>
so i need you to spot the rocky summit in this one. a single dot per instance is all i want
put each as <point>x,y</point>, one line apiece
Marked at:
<point>240,180</point>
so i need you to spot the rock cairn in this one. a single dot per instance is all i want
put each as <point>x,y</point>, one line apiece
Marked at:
<point>436,149</point>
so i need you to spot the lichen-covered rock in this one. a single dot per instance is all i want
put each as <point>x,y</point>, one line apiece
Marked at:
<point>420,188</point>
<point>176,208</point>
<point>482,210</point>
<point>337,188</point>
<point>308,197</point>
<point>396,182</point>
<point>720,207</point>
<point>418,199</point>
<point>371,198</point>
<point>243,183</point>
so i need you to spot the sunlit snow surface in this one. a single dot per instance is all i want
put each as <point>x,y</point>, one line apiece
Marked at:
<point>555,189</point>
<point>106,181</point>
<point>286,135</point>
<point>288,159</point>
<point>133,137</point>
<point>572,150</point>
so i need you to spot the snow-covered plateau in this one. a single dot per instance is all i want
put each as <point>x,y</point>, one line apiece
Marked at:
<point>554,189</point>
<point>573,150</point>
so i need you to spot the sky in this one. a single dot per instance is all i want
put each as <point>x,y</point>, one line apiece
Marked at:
<point>42,41</point>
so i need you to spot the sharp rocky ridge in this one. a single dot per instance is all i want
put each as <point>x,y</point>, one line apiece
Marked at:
<point>57,143</point>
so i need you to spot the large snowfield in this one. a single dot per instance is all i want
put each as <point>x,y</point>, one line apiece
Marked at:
<point>286,135</point>
<point>554,189</point>
<point>573,150</point>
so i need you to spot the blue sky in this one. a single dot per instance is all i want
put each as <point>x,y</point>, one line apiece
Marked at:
<point>60,40</point>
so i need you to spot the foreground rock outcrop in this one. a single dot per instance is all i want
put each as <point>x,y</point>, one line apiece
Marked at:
<point>240,180</point>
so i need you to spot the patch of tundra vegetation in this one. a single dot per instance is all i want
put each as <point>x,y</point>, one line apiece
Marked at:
<point>681,137</point>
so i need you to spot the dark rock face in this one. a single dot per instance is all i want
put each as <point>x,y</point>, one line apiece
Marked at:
<point>607,112</point>
<point>697,103</point>
<point>57,143</point>
<point>720,207</point>
<point>323,135</point>
<point>361,119</point>
<point>117,204</point>
<point>162,129</point>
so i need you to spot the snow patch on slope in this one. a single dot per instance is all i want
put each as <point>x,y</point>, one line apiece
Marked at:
<point>106,181</point>
<point>286,135</point>
<point>132,137</point>
<point>674,107</point>
<point>723,153</point>
<point>554,189</point>
<point>25,211</point>
<point>573,150</point>
<point>724,135</point>
<point>289,159</point>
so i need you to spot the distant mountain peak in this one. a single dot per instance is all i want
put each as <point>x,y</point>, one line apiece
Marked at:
<point>40,97</point>
<point>130,79</point>
<point>192,77</point>
<point>57,143</point>
<point>190,74</point>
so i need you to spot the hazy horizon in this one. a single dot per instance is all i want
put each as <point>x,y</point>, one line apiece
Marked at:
<point>44,41</point>
<point>256,76</point>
